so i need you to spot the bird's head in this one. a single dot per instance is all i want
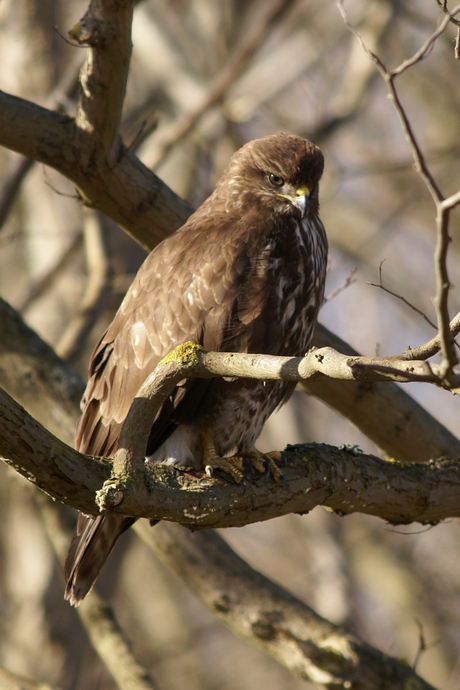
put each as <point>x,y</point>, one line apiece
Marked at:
<point>276,174</point>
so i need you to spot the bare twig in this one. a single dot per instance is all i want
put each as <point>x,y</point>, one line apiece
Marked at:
<point>378,409</point>
<point>99,269</point>
<point>448,352</point>
<point>433,346</point>
<point>428,45</point>
<point>400,297</point>
<point>349,281</point>
<point>443,5</point>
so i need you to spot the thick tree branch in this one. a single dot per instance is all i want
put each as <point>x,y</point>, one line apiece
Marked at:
<point>106,29</point>
<point>315,474</point>
<point>189,360</point>
<point>126,190</point>
<point>20,166</point>
<point>268,616</point>
<point>32,374</point>
<point>220,589</point>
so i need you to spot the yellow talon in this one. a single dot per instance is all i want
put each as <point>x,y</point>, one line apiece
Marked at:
<point>234,465</point>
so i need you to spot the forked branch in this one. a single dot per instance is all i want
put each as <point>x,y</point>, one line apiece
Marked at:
<point>443,205</point>
<point>342,479</point>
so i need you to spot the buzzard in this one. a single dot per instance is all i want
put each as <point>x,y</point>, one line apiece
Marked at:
<point>244,274</point>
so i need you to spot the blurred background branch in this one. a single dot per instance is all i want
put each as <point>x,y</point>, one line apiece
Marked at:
<point>279,623</point>
<point>308,76</point>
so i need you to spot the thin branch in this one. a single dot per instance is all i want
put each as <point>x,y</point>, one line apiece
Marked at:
<point>433,346</point>
<point>389,78</point>
<point>98,286</point>
<point>349,281</point>
<point>427,46</point>
<point>400,297</point>
<point>380,409</point>
<point>443,6</point>
<point>451,201</point>
<point>314,474</point>
<point>443,239</point>
<point>443,284</point>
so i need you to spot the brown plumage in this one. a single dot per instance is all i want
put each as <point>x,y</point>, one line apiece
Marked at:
<point>244,274</point>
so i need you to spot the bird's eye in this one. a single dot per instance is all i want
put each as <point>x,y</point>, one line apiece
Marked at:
<point>275,180</point>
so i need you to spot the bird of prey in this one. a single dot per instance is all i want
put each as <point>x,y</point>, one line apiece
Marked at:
<point>245,273</point>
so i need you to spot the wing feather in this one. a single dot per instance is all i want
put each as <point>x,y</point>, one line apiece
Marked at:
<point>169,303</point>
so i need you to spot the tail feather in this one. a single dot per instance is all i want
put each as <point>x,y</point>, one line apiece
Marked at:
<point>91,545</point>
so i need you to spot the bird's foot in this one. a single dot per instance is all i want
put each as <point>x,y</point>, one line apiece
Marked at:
<point>265,463</point>
<point>235,465</point>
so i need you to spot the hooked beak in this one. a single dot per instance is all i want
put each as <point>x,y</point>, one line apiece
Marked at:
<point>299,199</point>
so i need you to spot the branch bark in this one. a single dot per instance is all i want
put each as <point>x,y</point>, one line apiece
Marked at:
<point>384,412</point>
<point>266,615</point>
<point>217,588</point>
<point>116,182</point>
<point>315,474</point>
<point>125,190</point>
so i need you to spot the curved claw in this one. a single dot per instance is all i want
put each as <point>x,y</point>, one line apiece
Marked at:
<point>235,465</point>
